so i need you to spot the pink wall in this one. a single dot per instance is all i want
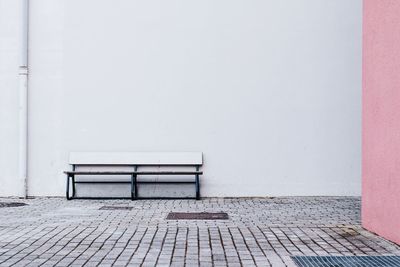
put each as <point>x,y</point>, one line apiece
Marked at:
<point>381,118</point>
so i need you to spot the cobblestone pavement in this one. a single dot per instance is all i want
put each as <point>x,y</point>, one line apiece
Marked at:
<point>260,232</point>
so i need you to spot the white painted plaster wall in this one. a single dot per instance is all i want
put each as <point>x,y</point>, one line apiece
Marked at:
<point>10,184</point>
<point>269,90</point>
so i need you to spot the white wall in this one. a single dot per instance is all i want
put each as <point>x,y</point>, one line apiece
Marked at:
<point>10,184</point>
<point>269,90</point>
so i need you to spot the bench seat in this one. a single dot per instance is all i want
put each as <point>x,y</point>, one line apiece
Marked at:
<point>132,164</point>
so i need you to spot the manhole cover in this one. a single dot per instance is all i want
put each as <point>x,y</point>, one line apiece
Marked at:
<point>11,204</point>
<point>197,216</point>
<point>347,261</point>
<point>115,208</point>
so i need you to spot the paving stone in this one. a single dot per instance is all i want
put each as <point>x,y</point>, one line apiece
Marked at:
<point>259,232</point>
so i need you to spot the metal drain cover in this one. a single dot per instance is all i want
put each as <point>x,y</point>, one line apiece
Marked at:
<point>115,208</point>
<point>197,216</point>
<point>11,204</point>
<point>347,261</point>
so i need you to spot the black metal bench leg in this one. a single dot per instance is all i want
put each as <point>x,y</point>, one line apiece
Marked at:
<point>67,192</point>
<point>197,184</point>
<point>197,187</point>
<point>133,187</point>
<point>73,186</point>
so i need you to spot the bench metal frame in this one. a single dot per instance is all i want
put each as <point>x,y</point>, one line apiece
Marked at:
<point>71,181</point>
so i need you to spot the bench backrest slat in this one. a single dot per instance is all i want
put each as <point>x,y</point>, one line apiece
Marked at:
<point>136,158</point>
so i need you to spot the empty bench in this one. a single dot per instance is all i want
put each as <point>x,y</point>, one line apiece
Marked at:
<point>132,165</point>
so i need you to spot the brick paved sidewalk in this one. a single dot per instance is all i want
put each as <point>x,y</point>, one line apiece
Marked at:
<point>260,232</point>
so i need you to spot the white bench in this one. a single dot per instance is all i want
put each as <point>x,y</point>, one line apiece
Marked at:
<point>132,164</point>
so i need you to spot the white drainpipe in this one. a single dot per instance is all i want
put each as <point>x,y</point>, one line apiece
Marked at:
<point>23,96</point>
